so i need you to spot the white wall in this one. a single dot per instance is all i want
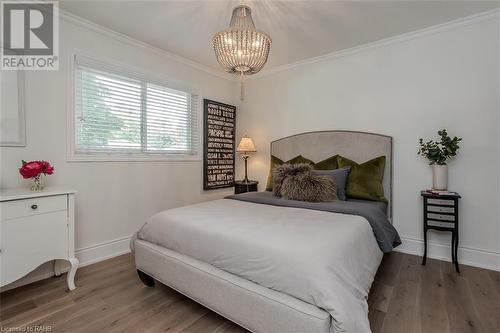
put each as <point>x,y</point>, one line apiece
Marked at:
<point>407,88</point>
<point>114,198</point>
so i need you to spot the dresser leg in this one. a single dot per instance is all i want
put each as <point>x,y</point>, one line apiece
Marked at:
<point>71,274</point>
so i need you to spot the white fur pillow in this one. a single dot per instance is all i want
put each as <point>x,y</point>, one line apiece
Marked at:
<point>295,182</point>
<point>285,170</point>
<point>306,187</point>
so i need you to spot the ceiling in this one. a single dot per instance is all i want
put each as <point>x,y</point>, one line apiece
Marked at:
<point>299,29</point>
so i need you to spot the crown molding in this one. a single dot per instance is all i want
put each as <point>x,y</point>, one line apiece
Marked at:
<point>454,24</point>
<point>79,21</point>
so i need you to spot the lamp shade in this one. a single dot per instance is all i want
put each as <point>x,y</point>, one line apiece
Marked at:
<point>246,146</point>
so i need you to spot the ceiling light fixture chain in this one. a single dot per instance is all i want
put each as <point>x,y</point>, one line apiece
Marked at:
<point>241,49</point>
<point>242,91</point>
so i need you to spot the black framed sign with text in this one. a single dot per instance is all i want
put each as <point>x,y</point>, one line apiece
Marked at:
<point>218,144</point>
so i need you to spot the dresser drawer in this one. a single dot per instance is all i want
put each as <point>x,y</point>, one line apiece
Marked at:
<point>441,217</point>
<point>440,209</point>
<point>28,207</point>
<point>443,202</point>
<point>441,224</point>
<point>30,241</point>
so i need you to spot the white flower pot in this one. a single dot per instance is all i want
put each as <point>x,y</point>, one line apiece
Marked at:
<point>439,177</point>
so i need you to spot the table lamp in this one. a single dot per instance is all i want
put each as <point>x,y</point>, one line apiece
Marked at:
<point>246,147</point>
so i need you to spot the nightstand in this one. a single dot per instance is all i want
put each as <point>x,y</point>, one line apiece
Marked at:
<point>243,187</point>
<point>441,213</point>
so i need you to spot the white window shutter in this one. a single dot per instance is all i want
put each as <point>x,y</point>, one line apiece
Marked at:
<point>120,113</point>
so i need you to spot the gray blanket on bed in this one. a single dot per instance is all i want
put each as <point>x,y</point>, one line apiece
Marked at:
<point>325,259</point>
<point>374,212</point>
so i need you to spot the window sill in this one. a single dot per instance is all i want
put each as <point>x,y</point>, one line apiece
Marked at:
<point>94,157</point>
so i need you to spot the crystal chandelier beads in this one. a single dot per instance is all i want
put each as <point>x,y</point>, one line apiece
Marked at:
<point>241,49</point>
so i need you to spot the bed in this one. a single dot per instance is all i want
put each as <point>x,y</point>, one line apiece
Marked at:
<point>276,265</point>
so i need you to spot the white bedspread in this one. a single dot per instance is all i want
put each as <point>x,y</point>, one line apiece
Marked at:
<point>326,259</point>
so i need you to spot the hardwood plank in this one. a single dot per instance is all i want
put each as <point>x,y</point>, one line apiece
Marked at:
<point>23,294</point>
<point>380,296</point>
<point>388,272</point>
<point>9,312</point>
<point>127,323</point>
<point>17,292</point>
<point>495,277</point>
<point>132,289</point>
<point>433,299</point>
<point>376,318</point>
<point>403,311</point>
<point>43,291</point>
<point>83,318</point>
<point>157,319</point>
<point>405,297</point>
<point>56,320</point>
<point>411,268</point>
<point>105,287</point>
<point>139,301</point>
<point>208,323</point>
<point>24,318</point>
<point>459,306</point>
<point>485,299</point>
<point>229,327</point>
<point>178,317</point>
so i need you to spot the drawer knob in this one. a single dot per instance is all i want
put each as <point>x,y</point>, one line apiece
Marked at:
<point>34,206</point>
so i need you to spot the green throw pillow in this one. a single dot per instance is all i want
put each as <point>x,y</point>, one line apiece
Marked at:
<point>276,162</point>
<point>365,180</point>
<point>328,164</point>
<point>300,159</point>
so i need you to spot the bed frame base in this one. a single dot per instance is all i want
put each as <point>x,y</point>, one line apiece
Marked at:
<point>146,279</point>
<point>254,307</point>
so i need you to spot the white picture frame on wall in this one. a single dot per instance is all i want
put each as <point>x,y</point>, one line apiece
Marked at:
<point>12,113</point>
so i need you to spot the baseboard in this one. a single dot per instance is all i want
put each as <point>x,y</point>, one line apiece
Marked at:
<point>102,251</point>
<point>467,256</point>
<point>106,250</point>
<point>86,255</point>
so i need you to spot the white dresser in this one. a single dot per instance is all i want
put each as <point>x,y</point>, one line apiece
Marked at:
<point>36,227</point>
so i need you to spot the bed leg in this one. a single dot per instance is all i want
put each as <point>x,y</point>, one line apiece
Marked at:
<point>146,279</point>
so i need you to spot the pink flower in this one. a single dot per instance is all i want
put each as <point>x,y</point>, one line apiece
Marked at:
<point>47,169</point>
<point>33,169</point>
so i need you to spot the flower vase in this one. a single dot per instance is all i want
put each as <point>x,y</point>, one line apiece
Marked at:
<point>37,184</point>
<point>439,177</point>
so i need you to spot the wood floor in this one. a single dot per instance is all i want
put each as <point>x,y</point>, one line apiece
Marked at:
<point>405,297</point>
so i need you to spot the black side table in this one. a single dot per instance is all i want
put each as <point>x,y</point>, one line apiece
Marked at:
<point>441,213</point>
<point>243,187</point>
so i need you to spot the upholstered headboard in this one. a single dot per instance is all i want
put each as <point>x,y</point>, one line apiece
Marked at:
<point>358,146</point>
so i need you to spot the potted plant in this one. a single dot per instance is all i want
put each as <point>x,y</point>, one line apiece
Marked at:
<point>438,152</point>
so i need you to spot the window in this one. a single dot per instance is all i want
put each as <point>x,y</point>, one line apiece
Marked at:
<point>120,115</point>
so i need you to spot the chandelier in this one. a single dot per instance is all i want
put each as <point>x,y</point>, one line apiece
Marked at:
<point>241,49</point>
